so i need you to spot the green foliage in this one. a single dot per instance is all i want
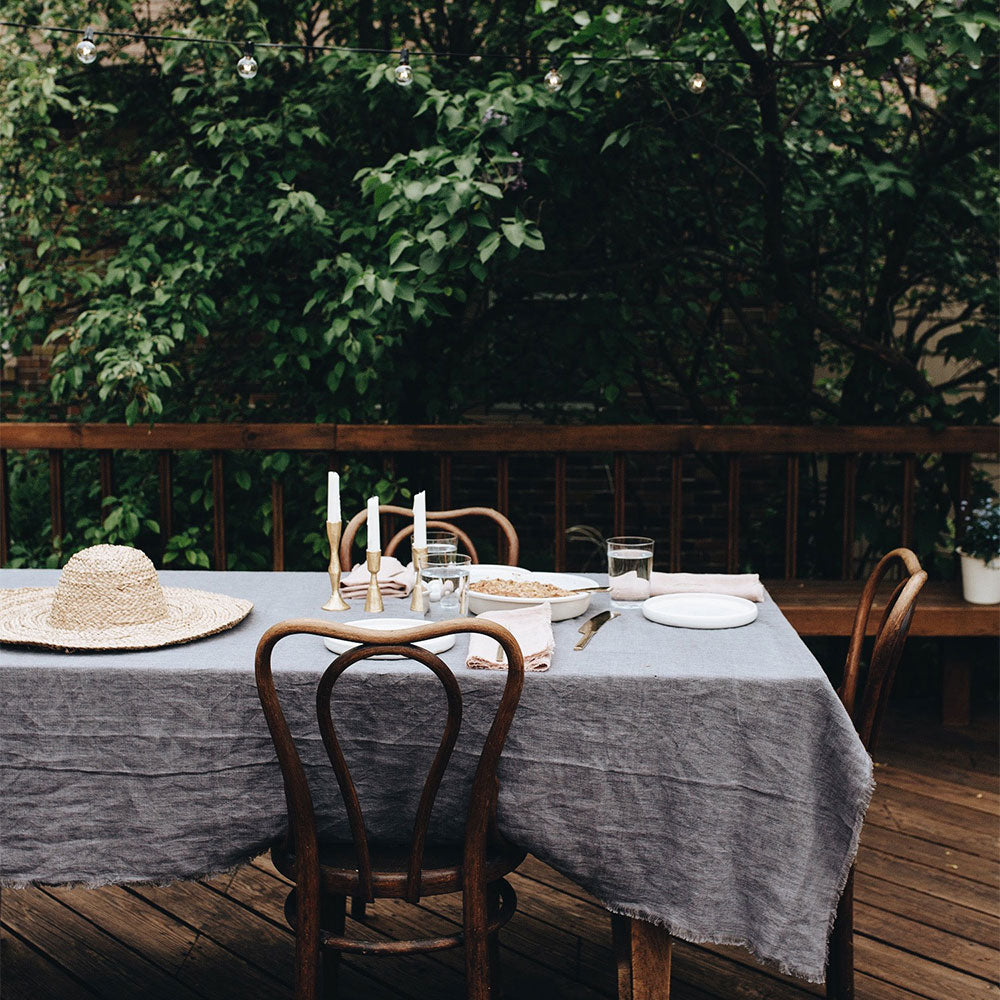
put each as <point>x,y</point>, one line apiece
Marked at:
<point>981,529</point>
<point>319,244</point>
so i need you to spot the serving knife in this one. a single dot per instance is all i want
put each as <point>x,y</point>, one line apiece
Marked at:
<point>590,627</point>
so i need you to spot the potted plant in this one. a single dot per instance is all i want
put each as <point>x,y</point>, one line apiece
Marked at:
<point>980,551</point>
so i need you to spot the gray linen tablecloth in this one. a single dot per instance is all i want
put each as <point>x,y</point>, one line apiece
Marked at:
<point>709,781</point>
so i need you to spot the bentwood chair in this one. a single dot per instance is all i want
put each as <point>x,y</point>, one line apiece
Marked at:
<point>436,520</point>
<point>326,873</point>
<point>865,700</point>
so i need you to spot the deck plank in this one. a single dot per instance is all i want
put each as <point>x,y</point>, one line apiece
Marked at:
<point>961,891</point>
<point>30,975</point>
<point>948,860</point>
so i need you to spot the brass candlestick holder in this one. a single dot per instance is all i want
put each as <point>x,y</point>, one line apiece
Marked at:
<point>336,602</point>
<point>420,600</point>
<point>373,599</point>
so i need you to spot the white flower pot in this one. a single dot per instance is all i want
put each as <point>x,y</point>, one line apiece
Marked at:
<point>980,580</point>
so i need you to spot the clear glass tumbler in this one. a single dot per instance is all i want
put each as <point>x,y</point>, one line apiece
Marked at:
<point>447,577</point>
<point>439,542</point>
<point>630,565</point>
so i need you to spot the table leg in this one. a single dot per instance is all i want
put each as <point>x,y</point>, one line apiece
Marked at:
<point>642,952</point>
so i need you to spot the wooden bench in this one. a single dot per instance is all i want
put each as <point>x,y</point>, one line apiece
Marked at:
<point>827,607</point>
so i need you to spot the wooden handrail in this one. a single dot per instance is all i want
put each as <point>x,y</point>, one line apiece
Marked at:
<point>500,441</point>
<point>771,439</point>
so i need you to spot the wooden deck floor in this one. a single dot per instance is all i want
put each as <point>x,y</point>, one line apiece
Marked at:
<point>928,892</point>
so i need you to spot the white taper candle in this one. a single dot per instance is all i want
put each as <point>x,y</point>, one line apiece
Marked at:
<point>333,497</point>
<point>420,520</point>
<point>374,534</point>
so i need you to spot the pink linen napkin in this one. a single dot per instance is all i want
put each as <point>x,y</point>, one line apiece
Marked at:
<point>394,580</point>
<point>531,627</point>
<point>746,585</point>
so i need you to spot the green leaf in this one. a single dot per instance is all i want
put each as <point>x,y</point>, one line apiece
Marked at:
<point>430,262</point>
<point>737,5</point>
<point>387,289</point>
<point>398,247</point>
<point>514,231</point>
<point>914,44</point>
<point>879,36</point>
<point>488,246</point>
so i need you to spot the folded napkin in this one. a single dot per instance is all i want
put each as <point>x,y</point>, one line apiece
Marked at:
<point>746,585</point>
<point>394,580</point>
<point>531,627</point>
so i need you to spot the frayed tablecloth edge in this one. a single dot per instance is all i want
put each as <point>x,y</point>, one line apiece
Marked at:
<point>809,974</point>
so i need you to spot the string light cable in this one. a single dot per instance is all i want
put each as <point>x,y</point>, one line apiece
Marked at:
<point>247,66</point>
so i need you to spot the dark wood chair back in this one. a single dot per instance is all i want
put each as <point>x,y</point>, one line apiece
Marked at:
<point>865,703</point>
<point>440,520</point>
<point>483,796</point>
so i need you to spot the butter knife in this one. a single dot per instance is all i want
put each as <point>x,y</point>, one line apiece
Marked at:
<point>590,627</point>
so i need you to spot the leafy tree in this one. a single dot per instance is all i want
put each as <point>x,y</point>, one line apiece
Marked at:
<point>321,244</point>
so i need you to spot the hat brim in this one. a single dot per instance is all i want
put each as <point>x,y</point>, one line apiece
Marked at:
<point>191,614</point>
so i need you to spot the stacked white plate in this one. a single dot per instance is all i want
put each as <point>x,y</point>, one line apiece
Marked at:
<point>700,610</point>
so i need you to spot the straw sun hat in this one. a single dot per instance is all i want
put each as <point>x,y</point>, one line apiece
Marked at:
<point>109,597</point>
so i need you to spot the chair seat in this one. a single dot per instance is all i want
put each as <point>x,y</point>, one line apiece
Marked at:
<point>441,871</point>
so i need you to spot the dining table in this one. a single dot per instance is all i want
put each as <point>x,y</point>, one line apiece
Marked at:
<point>704,784</point>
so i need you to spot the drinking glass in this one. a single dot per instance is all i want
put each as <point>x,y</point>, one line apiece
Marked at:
<point>630,564</point>
<point>439,542</point>
<point>447,574</point>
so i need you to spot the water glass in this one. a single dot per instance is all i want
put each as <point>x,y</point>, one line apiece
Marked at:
<point>439,542</point>
<point>630,565</point>
<point>447,577</point>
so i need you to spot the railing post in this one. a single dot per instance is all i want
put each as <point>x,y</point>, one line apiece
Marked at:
<point>850,508</point>
<point>560,513</point>
<point>444,479</point>
<point>105,463</point>
<point>676,512</point>
<point>618,479</point>
<point>964,493</point>
<point>56,496</point>
<point>277,526</point>
<point>909,483</point>
<point>4,509</point>
<point>218,511</point>
<point>791,516</point>
<point>166,477</point>
<point>503,502</point>
<point>733,512</point>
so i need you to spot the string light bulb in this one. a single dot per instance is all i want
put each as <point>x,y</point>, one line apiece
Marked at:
<point>553,80</point>
<point>247,66</point>
<point>86,50</point>
<point>697,81</point>
<point>837,81</point>
<point>404,71</point>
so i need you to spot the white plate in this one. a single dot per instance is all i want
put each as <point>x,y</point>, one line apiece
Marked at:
<point>700,610</point>
<point>436,645</point>
<point>562,607</point>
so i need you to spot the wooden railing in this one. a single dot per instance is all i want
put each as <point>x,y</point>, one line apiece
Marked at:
<point>502,441</point>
